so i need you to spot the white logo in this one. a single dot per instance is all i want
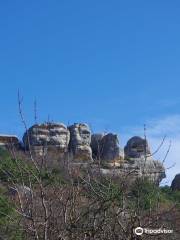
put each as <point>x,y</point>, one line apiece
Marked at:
<point>138,231</point>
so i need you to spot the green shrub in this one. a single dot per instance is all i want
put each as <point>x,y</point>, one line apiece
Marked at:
<point>15,170</point>
<point>54,177</point>
<point>21,171</point>
<point>170,195</point>
<point>9,228</point>
<point>144,195</point>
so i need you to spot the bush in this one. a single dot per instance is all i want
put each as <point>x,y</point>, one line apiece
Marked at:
<point>170,195</point>
<point>21,171</point>
<point>145,195</point>
<point>8,219</point>
<point>15,170</point>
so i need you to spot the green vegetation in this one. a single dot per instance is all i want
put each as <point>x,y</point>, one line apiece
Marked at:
<point>15,170</point>
<point>19,171</point>
<point>5,206</point>
<point>146,195</point>
<point>54,177</point>
<point>141,196</point>
<point>170,195</point>
<point>8,218</point>
<point>107,190</point>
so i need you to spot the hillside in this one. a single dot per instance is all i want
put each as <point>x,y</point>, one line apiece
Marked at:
<point>51,201</point>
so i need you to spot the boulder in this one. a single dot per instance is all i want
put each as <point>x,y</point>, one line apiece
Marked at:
<point>176,183</point>
<point>47,135</point>
<point>137,147</point>
<point>106,149</point>
<point>80,139</point>
<point>111,152</point>
<point>139,161</point>
<point>134,165</point>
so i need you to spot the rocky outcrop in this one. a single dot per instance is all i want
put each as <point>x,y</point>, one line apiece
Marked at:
<point>149,168</point>
<point>139,161</point>
<point>79,146</point>
<point>10,140</point>
<point>106,149</point>
<point>43,136</point>
<point>101,152</point>
<point>176,183</point>
<point>136,147</point>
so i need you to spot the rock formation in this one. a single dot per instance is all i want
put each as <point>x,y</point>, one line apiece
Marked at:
<point>80,139</point>
<point>136,147</point>
<point>9,140</point>
<point>106,149</point>
<point>138,159</point>
<point>176,183</point>
<point>99,152</point>
<point>44,136</point>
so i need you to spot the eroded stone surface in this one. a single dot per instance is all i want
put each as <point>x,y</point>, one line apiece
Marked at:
<point>106,148</point>
<point>80,139</point>
<point>136,147</point>
<point>139,161</point>
<point>111,151</point>
<point>8,140</point>
<point>48,134</point>
<point>152,169</point>
<point>81,149</point>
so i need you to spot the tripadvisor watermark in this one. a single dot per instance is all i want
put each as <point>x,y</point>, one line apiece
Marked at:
<point>139,231</point>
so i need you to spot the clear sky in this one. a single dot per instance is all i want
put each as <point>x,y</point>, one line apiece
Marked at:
<point>114,64</point>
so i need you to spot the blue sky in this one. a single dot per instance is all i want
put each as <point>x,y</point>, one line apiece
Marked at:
<point>113,64</point>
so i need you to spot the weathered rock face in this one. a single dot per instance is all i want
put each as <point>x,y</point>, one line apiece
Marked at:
<point>96,145</point>
<point>139,161</point>
<point>150,169</point>
<point>134,165</point>
<point>111,151</point>
<point>136,147</point>
<point>106,148</point>
<point>80,139</point>
<point>176,183</point>
<point>76,148</point>
<point>45,135</point>
<point>8,140</point>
